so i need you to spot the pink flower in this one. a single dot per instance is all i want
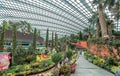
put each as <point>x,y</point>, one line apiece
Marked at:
<point>118,57</point>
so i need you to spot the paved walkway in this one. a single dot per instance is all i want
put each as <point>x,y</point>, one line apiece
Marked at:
<point>85,68</point>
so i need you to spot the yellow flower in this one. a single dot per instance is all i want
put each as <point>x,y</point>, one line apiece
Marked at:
<point>9,74</point>
<point>27,67</point>
<point>102,60</point>
<point>114,68</point>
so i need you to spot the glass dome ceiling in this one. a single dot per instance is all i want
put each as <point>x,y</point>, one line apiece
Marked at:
<point>64,17</point>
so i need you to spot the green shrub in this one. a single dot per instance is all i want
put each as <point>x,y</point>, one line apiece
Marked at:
<point>22,56</point>
<point>57,57</point>
<point>110,61</point>
<point>69,54</point>
<point>65,69</point>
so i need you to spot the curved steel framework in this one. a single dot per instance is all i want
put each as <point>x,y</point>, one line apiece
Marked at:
<point>64,17</point>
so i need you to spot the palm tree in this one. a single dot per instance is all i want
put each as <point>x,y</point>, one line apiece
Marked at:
<point>25,27</point>
<point>15,26</point>
<point>102,4</point>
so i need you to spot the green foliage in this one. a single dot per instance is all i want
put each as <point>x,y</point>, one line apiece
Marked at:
<point>56,41</point>
<point>47,37</point>
<point>57,57</point>
<point>34,39</point>
<point>52,40</point>
<point>28,27</point>
<point>110,61</point>
<point>38,33</point>
<point>65,69</point>
<point>80,36</point>
<point>116,33</point>
<point>4,25</point>
<point>86,54</point>
<point>69,54</point>
<point>26,69</point>
<point>97,41</point>
<point>14,42</point>
<point>1,73</point>
<point>22,56</point>
<point>2,36</point>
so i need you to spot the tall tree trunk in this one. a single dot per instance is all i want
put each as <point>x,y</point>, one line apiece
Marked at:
<point>110,30</point>
<point>97,30</point>
<point>102,21</point>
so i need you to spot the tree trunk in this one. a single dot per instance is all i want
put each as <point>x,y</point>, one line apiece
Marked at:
<point>110,30</point>
<point>102,21</point>
<point>97,30</point>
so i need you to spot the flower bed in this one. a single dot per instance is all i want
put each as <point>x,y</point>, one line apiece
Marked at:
<point>31,68</point>
<point>109,64</point>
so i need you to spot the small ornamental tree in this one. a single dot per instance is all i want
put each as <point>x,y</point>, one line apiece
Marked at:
<point>52,40</point>
<point>34,39</point>
<point>56,41</point>
<point>2,36</point>
<point>47,36</point>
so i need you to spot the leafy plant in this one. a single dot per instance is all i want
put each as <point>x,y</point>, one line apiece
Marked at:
<point>47,38</point>
<point>22,56</point>
<point>65,69</point>
<point>57,57</point>
<point>69,54</point>
<point>2,36</point>
<point>34,39</point>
